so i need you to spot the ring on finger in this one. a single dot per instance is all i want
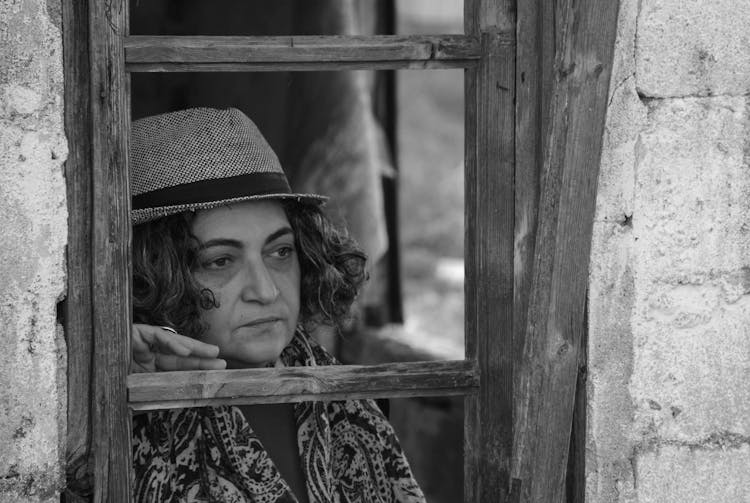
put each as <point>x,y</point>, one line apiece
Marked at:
<point>168,329</point>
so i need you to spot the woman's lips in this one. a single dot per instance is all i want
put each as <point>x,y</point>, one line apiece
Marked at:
<point>260,322</point>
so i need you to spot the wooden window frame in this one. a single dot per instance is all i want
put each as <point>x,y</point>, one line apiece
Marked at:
<point>528,216</point>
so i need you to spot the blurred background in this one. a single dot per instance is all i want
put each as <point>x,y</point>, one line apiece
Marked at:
<point>387,147</point>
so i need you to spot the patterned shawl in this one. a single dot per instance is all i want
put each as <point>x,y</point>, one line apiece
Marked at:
<point>348,451</point>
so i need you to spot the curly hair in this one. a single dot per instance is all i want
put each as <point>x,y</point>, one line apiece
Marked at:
<point>165,253</point>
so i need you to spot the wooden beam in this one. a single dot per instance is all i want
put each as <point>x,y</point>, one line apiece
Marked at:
<point>202,53</point>
<point>111,297</point>
<point>575,483</point>
<point>165,390</point>
<point>586,31</point>
<point>490,166</point>
<point>77,307</point>
<point>534,62</point>
<point>489,16</point>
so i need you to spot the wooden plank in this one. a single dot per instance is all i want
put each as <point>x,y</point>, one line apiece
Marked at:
<point>489,243</point>
<point>489,15</point>
<point>471,263</point>
<point>575,483</point>
<point>544,404</point>
<point>77,308</point>
<point>534,60</point>
<point>164,390</point>
<point>203,53</point>
<point>111,428</point>
<point>299,66</point>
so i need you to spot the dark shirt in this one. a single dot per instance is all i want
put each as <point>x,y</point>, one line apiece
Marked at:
<point>277,430</point>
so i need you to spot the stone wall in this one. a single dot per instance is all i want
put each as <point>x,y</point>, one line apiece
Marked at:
<point>669,401</point>
<point>32,251</point>
<point>669,348</point>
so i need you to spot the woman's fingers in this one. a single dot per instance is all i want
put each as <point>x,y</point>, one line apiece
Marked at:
<point>140,339</point>
<point>173,362</point>
<point>158,348</point>
<point>195,347</point>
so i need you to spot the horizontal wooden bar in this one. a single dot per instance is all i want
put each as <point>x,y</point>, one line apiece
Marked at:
<point>167,390</point>
<point>202,53</point>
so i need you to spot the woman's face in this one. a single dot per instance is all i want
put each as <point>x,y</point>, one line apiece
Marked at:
<point>248,258</point>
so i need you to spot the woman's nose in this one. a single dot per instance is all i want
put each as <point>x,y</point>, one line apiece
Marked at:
<point>259,285</point>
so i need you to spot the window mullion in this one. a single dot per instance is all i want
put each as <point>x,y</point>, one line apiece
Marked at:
<point>164,390</point>
<point>111,299</point>
<point>490,221</point>
<point>253,53</point>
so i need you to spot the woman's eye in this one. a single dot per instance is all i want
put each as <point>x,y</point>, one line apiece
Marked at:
<point>217,263</point>
<point>283,251</point>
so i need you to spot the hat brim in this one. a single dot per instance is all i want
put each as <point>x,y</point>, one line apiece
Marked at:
<point>141,216</point>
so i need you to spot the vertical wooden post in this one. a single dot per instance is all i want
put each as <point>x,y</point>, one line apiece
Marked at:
<point>534,58</point>
<point>547,374</point>
<point>111,429</point>
<point>490,165</point>
<point>78,301</point>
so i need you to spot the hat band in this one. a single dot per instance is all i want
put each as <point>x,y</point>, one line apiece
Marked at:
<point>218,189</point>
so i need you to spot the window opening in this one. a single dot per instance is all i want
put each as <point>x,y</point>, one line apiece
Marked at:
<point>489,54</point>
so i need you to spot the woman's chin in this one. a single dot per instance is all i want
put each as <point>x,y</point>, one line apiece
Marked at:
<point>255,354</point>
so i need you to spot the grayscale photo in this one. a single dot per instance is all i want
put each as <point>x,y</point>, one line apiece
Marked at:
<point>375,251</point>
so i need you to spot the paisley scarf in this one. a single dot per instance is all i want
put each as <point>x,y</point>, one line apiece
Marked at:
<point>348,451</point>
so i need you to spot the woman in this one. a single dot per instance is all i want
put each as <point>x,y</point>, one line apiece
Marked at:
<point>231,269</point>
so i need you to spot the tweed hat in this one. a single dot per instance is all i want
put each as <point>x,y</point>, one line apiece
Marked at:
<point>201,158</point>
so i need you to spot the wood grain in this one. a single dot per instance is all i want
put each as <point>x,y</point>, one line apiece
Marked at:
<point>545,398</point>
<point>111,429</point>
<point>489,16</point>
<point>576,477</point>
<point>202,53</point>
<point>77,309</point>
<point>490,161</point>
<point>166,390</point>
<point>299,66</point>
<point>534,60</point>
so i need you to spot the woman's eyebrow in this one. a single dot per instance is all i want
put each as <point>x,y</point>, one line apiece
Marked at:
<point>277,234</point>
<point>221,242</point>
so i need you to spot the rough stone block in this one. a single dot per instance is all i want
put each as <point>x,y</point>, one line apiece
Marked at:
<point>610,362</point>
<point>691,316</point>
<point>692,362</point>
<point>693,48</point>
<point>675,474</point>
<point>626,115</point>
<point>32,249</point>
<point>692,189</point>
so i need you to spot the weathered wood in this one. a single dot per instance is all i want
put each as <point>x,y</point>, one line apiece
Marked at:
<point>534,60</point>
<point>547,376</point>
<point>202,53</point>
<point>299,66</point>
<point>77,309</point>
<point>490,152</point>
<point>165,390</point>
<point>471,264</point>
<point>489,15</point>
<point>575,484</point>
<point>111,430</point>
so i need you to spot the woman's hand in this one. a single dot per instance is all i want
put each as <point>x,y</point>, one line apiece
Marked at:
<point>159,349</point>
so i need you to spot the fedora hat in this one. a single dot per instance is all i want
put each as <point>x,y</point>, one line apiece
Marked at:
<point>202,158</point>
